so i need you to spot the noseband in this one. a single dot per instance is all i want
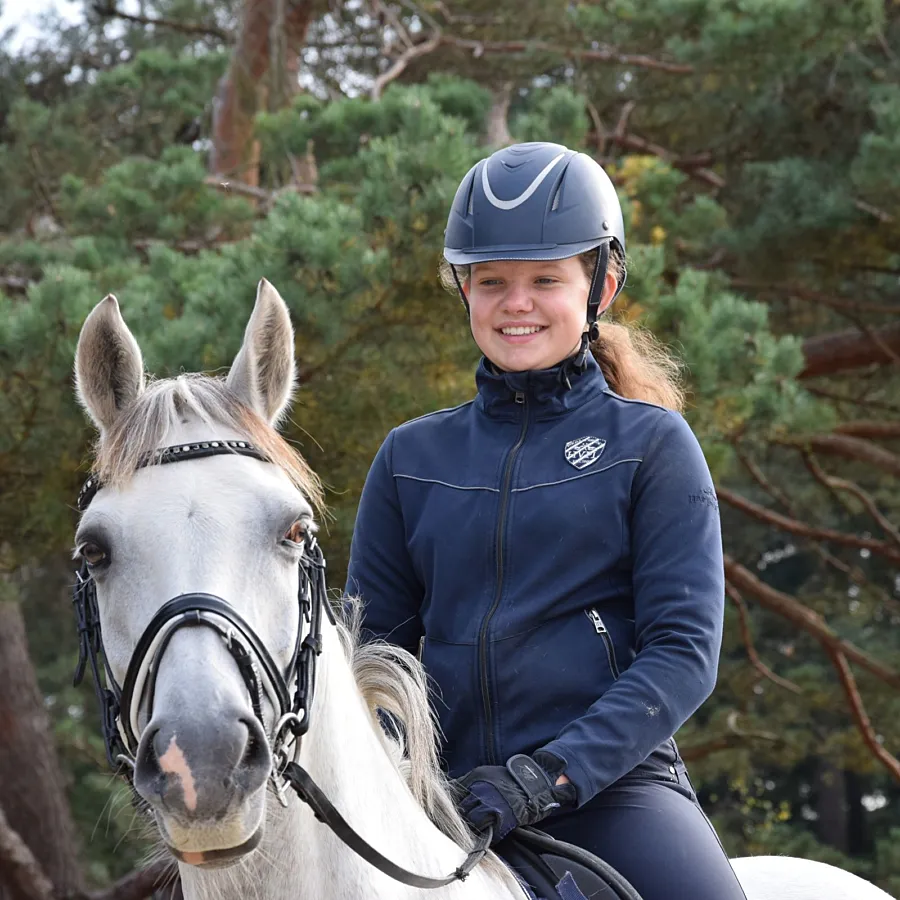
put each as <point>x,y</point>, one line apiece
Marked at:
<point>120,706</point>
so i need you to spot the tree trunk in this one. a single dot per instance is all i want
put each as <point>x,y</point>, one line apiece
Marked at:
<point>241,88</point>
<point>32,790</point>
<point>859,838</point>
<point>498,126</point>
<point>831,805</point>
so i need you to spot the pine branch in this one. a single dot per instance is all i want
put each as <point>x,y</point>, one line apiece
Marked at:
<point>860,717</point>
<point>846,350</point>
<point>794,526</point>
<point>806,619</point>
<point>854,401</point>
<point>835,484</point>
<point>744,618</point>
<point>854,573</point>
<point>686,164</point>
<point>693,752</point>
<point>848,447</point>
<point>817,297</point>
<point>479,48</point>
<point>872,429</point>
<point>734,738</point>
<point>109,11</point>
<point>401,62</point>
<point>599,54</point>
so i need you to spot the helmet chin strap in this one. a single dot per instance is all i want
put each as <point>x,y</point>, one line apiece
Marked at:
<point>595,294</point>
<point>462,293</point>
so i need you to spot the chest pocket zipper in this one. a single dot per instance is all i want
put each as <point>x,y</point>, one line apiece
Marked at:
<point>421,648</point>
<point>603,631</point>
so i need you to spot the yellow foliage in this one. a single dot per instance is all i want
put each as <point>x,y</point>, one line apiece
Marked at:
<point>657,234</point>
<point>635,213</point>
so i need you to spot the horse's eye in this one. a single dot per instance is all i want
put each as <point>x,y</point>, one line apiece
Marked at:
<point>93,554</point>
<point>296,534</point>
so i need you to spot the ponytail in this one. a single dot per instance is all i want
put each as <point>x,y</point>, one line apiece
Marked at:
<point>635,364</point>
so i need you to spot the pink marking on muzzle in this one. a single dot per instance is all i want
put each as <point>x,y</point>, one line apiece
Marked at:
<point>173,762</point>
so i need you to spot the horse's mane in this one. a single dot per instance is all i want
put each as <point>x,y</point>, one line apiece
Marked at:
<point>393,682</point>
<point>389,678</point>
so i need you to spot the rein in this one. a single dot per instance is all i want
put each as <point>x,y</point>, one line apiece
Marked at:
<point>120,706</point>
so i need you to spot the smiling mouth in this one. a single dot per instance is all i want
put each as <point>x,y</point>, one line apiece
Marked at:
<point>521,330</point>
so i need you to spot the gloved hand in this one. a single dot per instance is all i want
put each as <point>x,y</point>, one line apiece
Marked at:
<point>519,793</point>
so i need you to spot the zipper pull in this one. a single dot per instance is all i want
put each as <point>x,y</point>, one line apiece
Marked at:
<point>594,616</point>
<point>520,397</point>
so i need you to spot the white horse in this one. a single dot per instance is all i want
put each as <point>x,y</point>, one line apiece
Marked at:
<point>200,725</point>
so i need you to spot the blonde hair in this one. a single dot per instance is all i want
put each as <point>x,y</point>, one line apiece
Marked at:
<point>634,362</point>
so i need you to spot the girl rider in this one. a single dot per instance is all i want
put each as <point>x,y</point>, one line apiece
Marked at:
<point>552,549</point>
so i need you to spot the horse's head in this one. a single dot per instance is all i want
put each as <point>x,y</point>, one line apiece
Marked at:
<point>200,704</point>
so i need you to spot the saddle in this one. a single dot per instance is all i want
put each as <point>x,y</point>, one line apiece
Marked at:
<point>554,870</point>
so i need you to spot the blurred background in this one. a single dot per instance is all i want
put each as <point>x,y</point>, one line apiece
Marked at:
<point>176,151</point>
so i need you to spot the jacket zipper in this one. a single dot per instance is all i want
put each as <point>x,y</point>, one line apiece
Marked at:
<point>482,639</point>
<point>603,631</point>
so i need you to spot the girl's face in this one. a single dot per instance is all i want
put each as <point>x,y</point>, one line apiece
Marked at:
<point>527,314</point>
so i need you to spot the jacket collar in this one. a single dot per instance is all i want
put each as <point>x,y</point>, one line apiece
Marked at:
<point>548,391</point>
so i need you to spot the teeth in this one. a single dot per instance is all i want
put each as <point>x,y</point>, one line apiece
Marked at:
<point>530,329</point>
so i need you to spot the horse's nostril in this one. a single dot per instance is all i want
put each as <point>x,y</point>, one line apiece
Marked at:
<point>148,774</point>
<point>256,753</point>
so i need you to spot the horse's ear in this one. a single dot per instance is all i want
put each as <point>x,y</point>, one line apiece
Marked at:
<point>262,374</point>
<point>109,370</point>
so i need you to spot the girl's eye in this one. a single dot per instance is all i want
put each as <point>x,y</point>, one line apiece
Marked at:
<point>296,534</point>
<point>93,554</point>
<point>546,280</point>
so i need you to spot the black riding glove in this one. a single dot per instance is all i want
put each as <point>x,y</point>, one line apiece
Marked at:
<point>519,793</point>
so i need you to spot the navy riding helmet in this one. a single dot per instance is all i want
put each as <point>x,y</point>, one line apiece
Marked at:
<point>536,201</point>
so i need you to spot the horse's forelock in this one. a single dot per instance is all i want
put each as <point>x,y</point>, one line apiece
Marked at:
<point>165,403</point>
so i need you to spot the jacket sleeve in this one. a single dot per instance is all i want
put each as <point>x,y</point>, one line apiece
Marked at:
<point>679,595</point>
<point>381,570</point>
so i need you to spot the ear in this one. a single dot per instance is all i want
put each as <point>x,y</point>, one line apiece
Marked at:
<point>262,374</point>
<point>610,285</point>
<point>109,370</point>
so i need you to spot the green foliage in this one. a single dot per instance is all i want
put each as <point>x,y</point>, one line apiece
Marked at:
<point>554,114</point>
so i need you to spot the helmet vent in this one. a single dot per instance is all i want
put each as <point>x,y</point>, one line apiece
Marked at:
<point>555,205</point>
<point>470,206</point>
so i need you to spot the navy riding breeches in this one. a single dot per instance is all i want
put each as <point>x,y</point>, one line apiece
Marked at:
<point>650,827</point>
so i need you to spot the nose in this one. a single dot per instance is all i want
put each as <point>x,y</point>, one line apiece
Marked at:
<point>517,298</point>
<point>201,770</point>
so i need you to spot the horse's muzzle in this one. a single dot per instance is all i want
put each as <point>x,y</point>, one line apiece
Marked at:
<point>201,771</point>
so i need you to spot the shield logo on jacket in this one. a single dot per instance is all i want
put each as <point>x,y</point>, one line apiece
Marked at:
<point>585,451</point>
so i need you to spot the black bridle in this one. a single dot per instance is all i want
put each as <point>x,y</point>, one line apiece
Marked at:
<point>119,705</point>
